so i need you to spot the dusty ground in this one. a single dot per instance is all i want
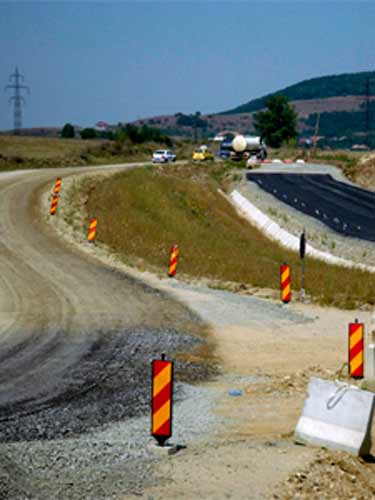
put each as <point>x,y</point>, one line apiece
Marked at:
<point>268,351</point>
<point>254,454</point>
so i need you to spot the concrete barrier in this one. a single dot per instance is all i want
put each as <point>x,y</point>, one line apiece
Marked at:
<point>275,232</point>
<point>338,416</point>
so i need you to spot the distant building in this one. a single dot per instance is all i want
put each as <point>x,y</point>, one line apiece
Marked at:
<point>101,126</point>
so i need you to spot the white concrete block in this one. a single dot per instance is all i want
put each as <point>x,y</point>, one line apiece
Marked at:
<point>336,415</point>
<point>370,362</point>
<point>275,232</point>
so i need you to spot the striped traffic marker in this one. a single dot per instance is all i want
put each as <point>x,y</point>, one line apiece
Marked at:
<point>53,209</point>
<point>356,346</point>
<point>162,390</point>
<point>92,230</point>
<point>285,283</point>
<point>173,260</point>
<point>57,187</point>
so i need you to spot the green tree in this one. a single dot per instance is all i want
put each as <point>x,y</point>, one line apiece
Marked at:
<point>88,133</point>
<point>278,123</point>
<point>68,131</point>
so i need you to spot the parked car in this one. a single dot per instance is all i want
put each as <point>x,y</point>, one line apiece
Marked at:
<point>163,156</point>
<point>202,153</point>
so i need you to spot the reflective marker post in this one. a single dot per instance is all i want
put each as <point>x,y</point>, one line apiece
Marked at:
<point>285,283</point>
<point>173,261</point>
<point>162,390</point>
<point>53,209</point>
<point>57,187</point>
<point>92,230</point>
<point>356,348</point>
<point>302,251</point>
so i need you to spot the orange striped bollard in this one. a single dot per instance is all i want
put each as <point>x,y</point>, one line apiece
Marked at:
<point>57,187</point>
<point>285,283</point>
<point>356,347</point>
<point>92,230</point>
<point>173,260</point>
<point>53,209</point>
<point>162,390</point>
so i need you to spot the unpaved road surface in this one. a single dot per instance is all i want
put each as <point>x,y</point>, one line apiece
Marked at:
<point>76,337</point>
<point>78,330</point>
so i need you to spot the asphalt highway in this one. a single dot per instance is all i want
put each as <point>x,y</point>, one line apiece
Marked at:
<point>346,209</point>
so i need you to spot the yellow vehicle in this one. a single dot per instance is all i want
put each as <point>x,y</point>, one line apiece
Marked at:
<point>202,154</point>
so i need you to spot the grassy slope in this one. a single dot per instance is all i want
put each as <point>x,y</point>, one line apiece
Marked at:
<point>30,152</point>
<point>143,212</point>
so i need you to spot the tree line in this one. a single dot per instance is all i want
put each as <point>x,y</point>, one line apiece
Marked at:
<point>128,132</point>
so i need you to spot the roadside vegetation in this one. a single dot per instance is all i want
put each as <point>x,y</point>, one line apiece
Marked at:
<point>17,152</point>
<point>143,212</point>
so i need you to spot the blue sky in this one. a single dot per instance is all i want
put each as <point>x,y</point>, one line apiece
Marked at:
<point>118,61</point>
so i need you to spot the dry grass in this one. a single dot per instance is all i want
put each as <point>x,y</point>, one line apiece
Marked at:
<point>41,148</point>
<point>31,152</point>
<point>144,211</point>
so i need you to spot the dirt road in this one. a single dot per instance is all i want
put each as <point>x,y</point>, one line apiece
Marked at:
<point>76,336</point>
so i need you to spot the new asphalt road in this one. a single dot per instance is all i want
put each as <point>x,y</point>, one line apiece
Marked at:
<point>346,209</point>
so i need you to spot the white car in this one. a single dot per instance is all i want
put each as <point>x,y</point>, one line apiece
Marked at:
<point>163,156</point>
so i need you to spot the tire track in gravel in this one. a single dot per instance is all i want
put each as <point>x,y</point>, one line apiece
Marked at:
<point>76,336</point>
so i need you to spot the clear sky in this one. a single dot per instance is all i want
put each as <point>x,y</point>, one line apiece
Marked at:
<point>119,61</point>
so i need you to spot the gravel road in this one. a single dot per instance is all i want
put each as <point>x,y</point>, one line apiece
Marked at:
<point>76,341</point>
<point>77,333</point>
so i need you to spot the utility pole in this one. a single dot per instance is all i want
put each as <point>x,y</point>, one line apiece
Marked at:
<point>16,78</point>
<point>368,118</point>
<point>316,132</point>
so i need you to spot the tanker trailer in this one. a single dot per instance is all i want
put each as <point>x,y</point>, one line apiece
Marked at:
<point>246,146</point>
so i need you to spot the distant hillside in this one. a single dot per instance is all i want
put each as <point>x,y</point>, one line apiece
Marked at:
<point>348,84</point>
<point>339,100</point>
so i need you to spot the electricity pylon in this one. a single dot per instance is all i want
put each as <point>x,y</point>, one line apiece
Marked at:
<point>16,78</point>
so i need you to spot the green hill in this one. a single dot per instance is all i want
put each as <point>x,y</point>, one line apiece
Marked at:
<point>316,88</point>
<point>337,102</point>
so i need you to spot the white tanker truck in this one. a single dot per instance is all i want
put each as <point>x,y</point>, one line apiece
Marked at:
<point>243,147</point>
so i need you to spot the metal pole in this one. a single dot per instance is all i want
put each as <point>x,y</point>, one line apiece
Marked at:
<point>302,252</point>
<point>303,281</point>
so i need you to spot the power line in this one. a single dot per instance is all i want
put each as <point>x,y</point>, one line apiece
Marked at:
<point>17,98</point>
